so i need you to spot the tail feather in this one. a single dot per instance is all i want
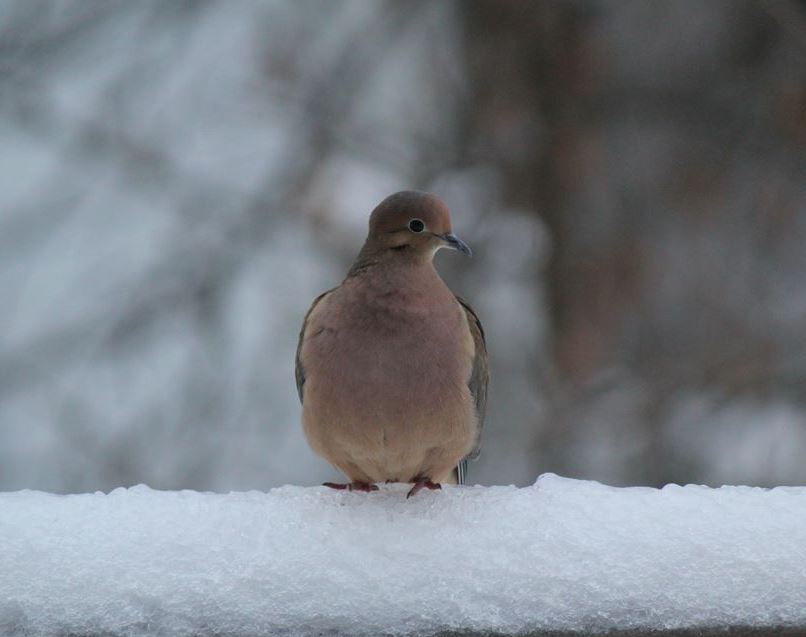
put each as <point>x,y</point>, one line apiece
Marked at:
<point>461,471</point>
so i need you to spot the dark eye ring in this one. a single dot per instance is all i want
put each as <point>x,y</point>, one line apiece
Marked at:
<point>416,225</point>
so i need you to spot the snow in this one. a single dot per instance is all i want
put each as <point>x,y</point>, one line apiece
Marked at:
<point>560,555</point>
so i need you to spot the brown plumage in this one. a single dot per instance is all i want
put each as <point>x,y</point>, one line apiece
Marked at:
<point>391,366</point>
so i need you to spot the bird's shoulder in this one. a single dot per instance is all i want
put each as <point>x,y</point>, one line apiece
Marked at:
<point>474,323</point>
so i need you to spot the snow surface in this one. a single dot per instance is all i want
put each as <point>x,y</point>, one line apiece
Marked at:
<point>561,555</point>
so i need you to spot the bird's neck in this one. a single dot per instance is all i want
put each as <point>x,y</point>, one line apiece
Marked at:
<point>400,281</point>
<point>372,260</point>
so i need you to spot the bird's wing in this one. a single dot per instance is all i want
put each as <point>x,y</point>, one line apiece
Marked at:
<point>479,375</point>
<point>299,369</point>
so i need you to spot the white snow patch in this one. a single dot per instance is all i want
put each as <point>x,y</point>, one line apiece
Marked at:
<point>561,555</point>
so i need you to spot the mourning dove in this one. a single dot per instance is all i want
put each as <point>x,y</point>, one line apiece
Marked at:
<point>391,366</point>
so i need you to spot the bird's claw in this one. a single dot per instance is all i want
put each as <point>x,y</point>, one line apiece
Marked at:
<point>352,486</point>
<point>422,483</point>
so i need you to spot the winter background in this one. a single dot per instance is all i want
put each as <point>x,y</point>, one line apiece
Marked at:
<point>179,180</point>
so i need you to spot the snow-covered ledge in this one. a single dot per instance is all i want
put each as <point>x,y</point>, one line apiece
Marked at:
<point>563,555</point>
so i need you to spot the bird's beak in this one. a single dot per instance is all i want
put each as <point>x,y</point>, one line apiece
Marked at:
<point>450,240</point>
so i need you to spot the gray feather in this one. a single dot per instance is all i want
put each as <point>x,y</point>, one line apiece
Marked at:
<point>480,374</point>
<point>299,370</point>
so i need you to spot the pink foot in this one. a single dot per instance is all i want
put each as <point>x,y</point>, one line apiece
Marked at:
<point>422,483</point>
<point>352,486</point>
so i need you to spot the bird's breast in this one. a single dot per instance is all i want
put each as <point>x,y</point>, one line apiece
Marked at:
<point>385,351</point>
<point>386,393</point>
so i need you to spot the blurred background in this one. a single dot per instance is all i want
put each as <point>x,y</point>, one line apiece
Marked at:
<point>178,180</point>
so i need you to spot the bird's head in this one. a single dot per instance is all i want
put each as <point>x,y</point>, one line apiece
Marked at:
<point>413,223</point>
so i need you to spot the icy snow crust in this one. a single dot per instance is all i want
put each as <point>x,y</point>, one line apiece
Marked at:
<point>561,555</point>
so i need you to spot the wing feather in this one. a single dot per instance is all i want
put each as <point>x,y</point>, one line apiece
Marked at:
<point>480,374</point>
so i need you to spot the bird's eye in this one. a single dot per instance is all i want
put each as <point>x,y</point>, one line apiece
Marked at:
<point>416,225</point>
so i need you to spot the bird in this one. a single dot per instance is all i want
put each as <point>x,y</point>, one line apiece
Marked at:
<point>391,366</point>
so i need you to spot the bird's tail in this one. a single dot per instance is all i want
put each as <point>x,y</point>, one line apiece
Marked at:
<point>461,471</point>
